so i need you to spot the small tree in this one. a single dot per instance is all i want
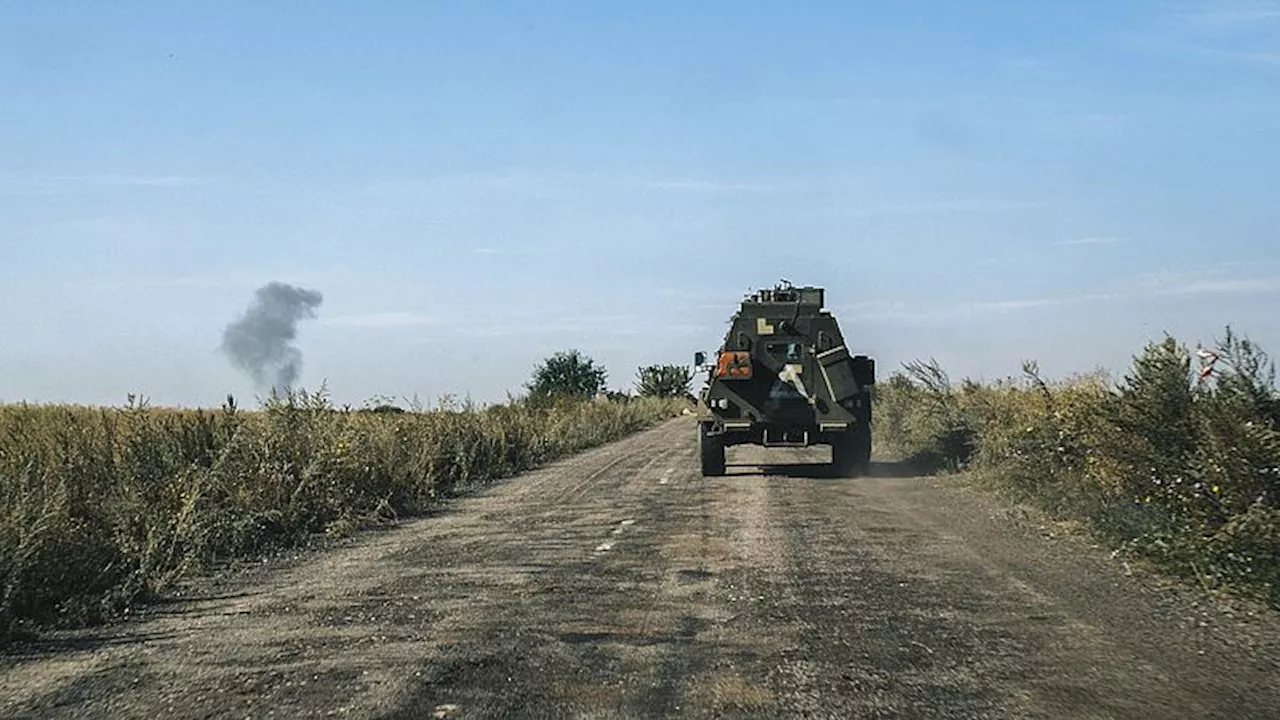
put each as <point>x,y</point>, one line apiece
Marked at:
<point>1157,406</point>
<point>664,381</point>
<point>567,374</point>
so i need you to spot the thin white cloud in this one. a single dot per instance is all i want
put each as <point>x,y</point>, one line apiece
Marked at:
<point>78,182</point>
<point>176,283</point>
<point>381,320</point>
<point>938,207</point>
<point>1001,306</point>
<point>1006,306</point>
<point>557,326</point>
<point>1251,57</point>
<point>499,251</point>
<point>1147,286</point>
<point>543,182</point>
<point>879,310</point>
<point>893,311</point>
<point>1230,32</point>
<point>689,185</point>
<point>1225,15</point>
<point>1224,285</point>
<point>142,181</point>
<point>1095,240</point>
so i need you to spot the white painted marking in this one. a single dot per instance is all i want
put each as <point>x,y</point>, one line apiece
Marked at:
<point>608,545</point>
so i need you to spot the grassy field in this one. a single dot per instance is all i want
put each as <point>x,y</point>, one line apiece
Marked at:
<point>1162,463</point>
<point>101,507</point>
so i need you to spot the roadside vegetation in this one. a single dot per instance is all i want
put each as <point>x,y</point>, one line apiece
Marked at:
<point>102,507</point>
<point>567,374</point>
<point>671,381</point>
<point>1174,462</point>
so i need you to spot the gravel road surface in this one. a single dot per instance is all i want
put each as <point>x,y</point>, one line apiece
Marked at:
<point>621,584</point>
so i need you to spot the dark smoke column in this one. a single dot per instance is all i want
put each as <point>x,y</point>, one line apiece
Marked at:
<point>261,342</point>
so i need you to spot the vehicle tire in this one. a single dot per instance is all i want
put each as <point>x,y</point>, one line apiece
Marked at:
<point>711,449</point>
<point>842,454</point>
<point>862,450</point>
<point>851,452</point>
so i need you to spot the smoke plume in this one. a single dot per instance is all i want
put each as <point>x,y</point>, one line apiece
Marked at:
<point>261,342</point>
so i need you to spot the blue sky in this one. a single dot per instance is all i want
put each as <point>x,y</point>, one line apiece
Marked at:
<point>475,185</point>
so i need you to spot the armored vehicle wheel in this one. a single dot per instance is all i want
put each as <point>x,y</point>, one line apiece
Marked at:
<point>851,452</point>
<point>862,456</point>
<point>842,455</point>
<point>711,448</point>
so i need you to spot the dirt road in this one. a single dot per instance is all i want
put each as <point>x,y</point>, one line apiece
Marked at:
<point>620,584</point>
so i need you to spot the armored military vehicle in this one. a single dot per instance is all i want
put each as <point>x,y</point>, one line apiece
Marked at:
<point>785,378</point>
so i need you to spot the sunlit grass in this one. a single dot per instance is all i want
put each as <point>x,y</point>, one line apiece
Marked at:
<point>100,507</point>
<point>1183,471</point>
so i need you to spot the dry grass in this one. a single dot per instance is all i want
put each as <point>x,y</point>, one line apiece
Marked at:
<point>102,507</point>
<point>1158,463</point>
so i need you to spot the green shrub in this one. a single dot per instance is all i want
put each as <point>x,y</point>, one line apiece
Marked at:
<point>920,415</point>
<point>664,381</point>
<point>1183,470</point>
<point>567,374</point>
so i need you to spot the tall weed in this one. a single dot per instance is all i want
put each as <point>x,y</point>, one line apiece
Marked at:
<point>1182,469</point>
<point>101,507</point>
